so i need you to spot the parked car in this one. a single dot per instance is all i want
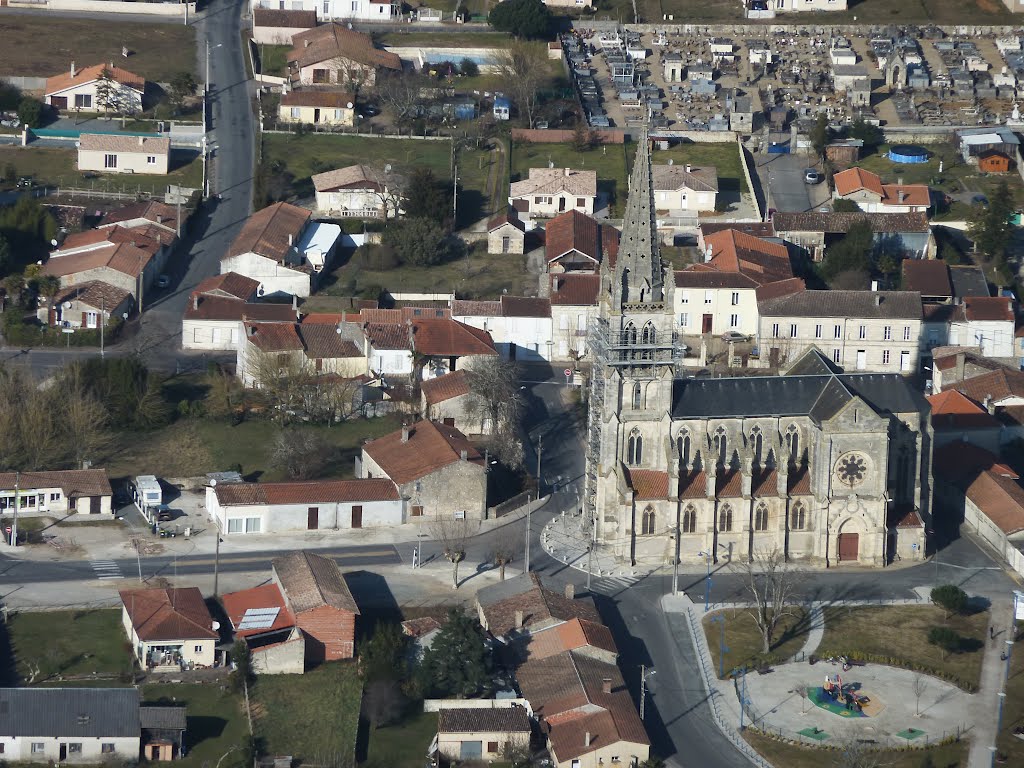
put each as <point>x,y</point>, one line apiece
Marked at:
<point>980,200</point>
<point>26,182</point>
<point>164,515</point>
<point>733,336</point>
<point>811,176</point>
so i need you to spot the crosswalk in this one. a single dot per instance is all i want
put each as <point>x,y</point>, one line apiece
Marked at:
<point>106,569</point>
<point>608,585</point>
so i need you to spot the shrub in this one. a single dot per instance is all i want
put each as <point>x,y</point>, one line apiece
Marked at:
<point>945,638</point>
<point>469,68</point>
<point>950,598</point>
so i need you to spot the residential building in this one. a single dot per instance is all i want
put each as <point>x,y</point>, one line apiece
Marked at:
<point>284,249</point>
<point>169,629</point>
<point>523,605</point>
<point>69,725</point>
<point>519,326</point>
<point>219,307</point>
<point>87,305</point>
<point>974,142</point>
<point>930,278</point>
<point>871,195</point>
<point>550,191</point>
<point>576,242</point>
<point>968,281</point>
<point>679,188</point>
<point>340,10</point>
<point>331,54</point>
<point>573,298</point>
<point>74,493</point>
<point>844,152</point>
<point>876,331</point>
<point>276,350</point>
<point>957,418</point>
<point>450,400</point>
<point>986,323</point>
<point>907,232</point>
<point>317,505</point>
<point>826,467</point>
<point>761,229</point>
<point>481,733</point>
<point>409,343</point>
<point>506,233</point>
<point>720,295</point>
<point>803,6</point>
<point>316,594</point>
<point>108,153</point>
<point>357,191</point>
<point>276,26</point>
<point>318,107</point>
<point>154,218</point>
<point>260,619</point>
<point>163,732</point>
<point>99,88</point>
<point>437,469</point>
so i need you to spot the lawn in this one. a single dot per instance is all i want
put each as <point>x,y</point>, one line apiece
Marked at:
<point>273,59</point>
<point>725,157</point>
<point>57,167</point>
<point>900,634</point>
<point>864,11</point>
<point>62,644</point>
<point>39,46</point>
<point>403,745</point>
<point>1013,714</point>
<point>216,725</point>
<point>743,640</point>
<point>609,161</point>
<point>791,756</point>
<point>313,717</point>
<point>189,448</point>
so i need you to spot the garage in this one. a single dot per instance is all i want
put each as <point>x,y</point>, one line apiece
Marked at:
<point>471,750</point>
<point>848,547</point>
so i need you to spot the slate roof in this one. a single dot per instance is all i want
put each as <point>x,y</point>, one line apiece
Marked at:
<point>311,581</point>
<point>431,446</point>
<point>551,181</point>
<point>483,720</point>
<point>500,602</point>
<point>929,277</point>
<point>69,712</point>
<point>442,388</point>
<point>838,223</point>
<point>156,718</point>
<point>308,492</point>
<point>266,231</point>
<point>869,305</point>
<point>64,80</point>
<point>968,280</point>
<point>333,40</point>
<point>106,142</point>
<point>175,613</point>
<point>674,177</point>
<point>72,482</point>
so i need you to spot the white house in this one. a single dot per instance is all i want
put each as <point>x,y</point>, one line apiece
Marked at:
<point>356,190</point>
<point>90,305</point>
<point>99,88</point>
<point>343,10</point>
<point>985,323</point>
<point>169,629</point>
<point>283,249</point>
<point>59,493</point>
<point>573,297</point>
<point>317,348</point>
<point>797,6</point>
<point>321,505</point>
<point>550,191</point>
<point>520,326</point>
<point>318,107</point>
<point>444,344</point>
<point>108,153</point>
<point>70,725</point>
<point>218,308</point>
<point>871,195</point>
<point>684,188</point>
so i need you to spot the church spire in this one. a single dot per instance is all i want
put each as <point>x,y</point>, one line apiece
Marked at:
<point>638,270</point>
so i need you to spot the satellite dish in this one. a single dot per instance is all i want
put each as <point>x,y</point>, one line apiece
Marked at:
<point>216,626</point>
<point>54,242</point>
<point>67,305</point>
<point>350,105</point>
<point>213,482</point>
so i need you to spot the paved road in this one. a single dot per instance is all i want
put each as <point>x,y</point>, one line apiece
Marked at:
<point>783,177</point>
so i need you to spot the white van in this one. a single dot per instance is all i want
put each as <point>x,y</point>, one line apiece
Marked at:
<point>146,492</point>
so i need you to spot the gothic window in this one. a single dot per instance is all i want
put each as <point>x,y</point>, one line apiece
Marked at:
<point>689,522</point>
<point>793,444</point>
<point>761,517</point>
<point>721,446</point>
<point>683,444</point>
<point>637,396</point>
<point>756,444</point>
<point>647,522</point>
<point>725,519</point>
<point>635,448</point>
<point>649,335</point>
<point>798,517</point>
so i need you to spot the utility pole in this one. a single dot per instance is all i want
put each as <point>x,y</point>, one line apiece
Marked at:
<point>103,311</point>
<point>529,509</point>
<point>540,448</point>
<point>17,501</point>
<point>644,674</point>
<point>455,191</point>
<point>216,562</point>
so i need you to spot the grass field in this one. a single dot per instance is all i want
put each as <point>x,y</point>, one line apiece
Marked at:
<point>56,644</point>
<point>216,725</point>
<point>903,633</point>
<point>862,12</point>
<point>313,717</point>
<point>447,40</point>
<point>40,46</point>
<point>743,640</point>
<point>403,745</point>
<point>725,157</point>
<point>791,756</point>
<point>273,59</point>
<point>54,166</point>
<point>609,161</point>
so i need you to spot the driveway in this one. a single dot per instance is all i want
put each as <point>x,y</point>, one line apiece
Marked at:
<point>783,177</point>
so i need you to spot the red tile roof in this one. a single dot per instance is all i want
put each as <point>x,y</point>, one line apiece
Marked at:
<point>430,446</point>
<point>648,484</point>
<point>999,385</point>
<point>575,290</point>
<point>154,210</point>
<point>444,337</point>
<point>273,337</point>
<point>333,41</point>
<point>267,231</point>
<point>74,483</point>
<point>442,388</point>
<point>93,293</point>
<point>332,98</point>
<point>854,179</point>
<point>1000,499</point>
<point>65,80</point>
<point>228,284</point>
<point>928,276</point>
<point>758,259</point>
<point>780,288</point>
<point>570,231</point>
<point>121,257</point>
<point>175,613</point>
<point>953,410</point>
<point>311,492</point>
<point>988,308</point>
<point>500,604</point>
<point>263,596</point>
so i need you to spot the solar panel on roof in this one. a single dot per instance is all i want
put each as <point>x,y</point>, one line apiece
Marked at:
<point>259,618</point>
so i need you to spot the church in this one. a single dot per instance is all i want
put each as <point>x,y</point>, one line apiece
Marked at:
<point>826,467</point>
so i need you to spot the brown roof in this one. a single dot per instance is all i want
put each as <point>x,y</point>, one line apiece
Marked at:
<point>332,41</point>
<point>205,307</point>
<point>174,613</point>
<point>323,342</point>
<point>500,603</point>
<point>93,293</point>
<point>148,237</point>
<point>759,259</point>
<point>121,257</point>
<point>387,335</point>
<point>508,216</point>
<point>311,581</point>
<point>430,447</point>
<point>319,98</point>
<point>263,596</point>
<point>152,210</point>
<point>311,492</point>
<point>780,288</point>
<point>998,385</point>
<point>701,276</point>
<point>570,231</point>
<point>648,484</point>
<point>273,337</point>
<point>483,720</point>
<point>73,482</point>
<point>228,284</point>
<point>930,277</point>
<point>444,337</point>
<point>525,306</point>
<point>575,290</point>
<point>551,181</point>
<point>1000,499</point>
<point>895,305</point>
<point>442,388</point>
<point>64,80</point>
<point>421,626</point>
<point>351,176</point>
<point>953,410</point>
<point>273,17</point>
<point>267,231</point>
<point>839,223</point>
<point>576,633</point>
<point>988,308</point>
<point>755,228</point>
<point>106,142</point>
<point>679,176</point>
<point>693,484</point>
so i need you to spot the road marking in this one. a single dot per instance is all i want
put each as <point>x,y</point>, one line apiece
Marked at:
<point>106,569</point>
<point>614,583</point>
<point>354,555</point>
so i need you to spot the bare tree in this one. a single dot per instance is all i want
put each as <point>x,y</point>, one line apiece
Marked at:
<point>390,189</point>
<point>351,74</point>
<point>505,549</point>
<point>803,692</point>
<point>522,67</point>
<point>855,754</point>
<point>402,94</point>
<point>282,378</point>
<point>918,686</point>
<point>770,583</point>
<point>499,404</point>
<point>334,398</point>
<point>454,534</point>
<point>302,454</point>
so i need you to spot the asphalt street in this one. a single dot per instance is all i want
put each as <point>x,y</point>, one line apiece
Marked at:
<point>783,178</point>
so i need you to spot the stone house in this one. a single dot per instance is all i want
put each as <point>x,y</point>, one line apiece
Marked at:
<point>169,629</point>
<point>357,191</point>
<point>87,305</point>
<point>82,89</point>
<point>685,187</point>
<point>275,349</point>
<point>58,493</point>
<point>574,302</point>
<point>318,107</point>
<point>956,418</point>
<point>449,400</point>
<point>506,233</point>
<point>260,619</point>
<point>219,307</point>
<point>411,342</point>
<point>519,326</point>
<point>986,323</point>
<point>107,153</point>
<point>331,54</point>
<point>481,733</point>
<point>907,233</point>
<point>524,605</point>
<point>276,26</point>
<point>550,191</point>
<point>316,594</point>
<point>69,725</point>
<point>436,468</point>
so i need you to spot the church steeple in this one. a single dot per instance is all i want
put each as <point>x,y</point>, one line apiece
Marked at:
<point>639,276</point>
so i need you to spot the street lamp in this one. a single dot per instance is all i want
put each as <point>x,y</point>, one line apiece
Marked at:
<point>707,581</point>
<point>644,674</point>
<point>722,648</point>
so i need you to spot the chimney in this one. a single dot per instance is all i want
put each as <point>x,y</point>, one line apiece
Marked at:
<point>989,406</point>
<point>405,433</point>
<point>961,361</point>
<point>567,172</point>
<point>291,239</point>
<point>307,42</point>
<point>606,685</point>
<point>519,620</point>
<point>195,301</point>
<point>688,167</point>
<point>73,70</point>
<point>463,454</point>
<point>899,180</point>
<point>707,254</point>
<point>570,591</point>
<point>902,196</point>
<point>142,140</point>
<point>586,739</point>
<point>874,285</point>
<point>878,300</point>
<point>554,284</point>
<point>295,302</point>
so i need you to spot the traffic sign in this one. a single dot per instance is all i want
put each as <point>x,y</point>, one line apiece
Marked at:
<point>567,372</point>
<point>67,330</point>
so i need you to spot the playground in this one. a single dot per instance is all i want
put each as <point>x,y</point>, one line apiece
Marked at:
<point>824,704</point>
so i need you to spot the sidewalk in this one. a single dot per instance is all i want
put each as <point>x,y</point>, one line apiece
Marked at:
<point>993,680</point>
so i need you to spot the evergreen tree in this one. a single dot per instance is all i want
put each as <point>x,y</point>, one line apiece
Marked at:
<point>530,19</point>
<point>458,662</point>
<point>989,226</point>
